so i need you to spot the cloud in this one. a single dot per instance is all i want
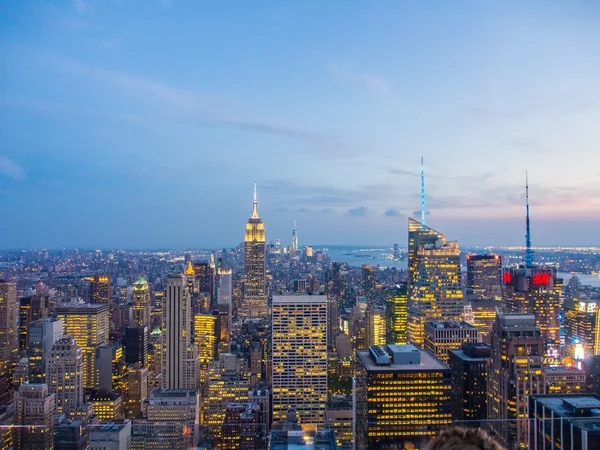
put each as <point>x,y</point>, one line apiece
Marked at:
<point>357,212</point>
<point>11,169</point>
<point>404,172</point>
<point>392,212</point>
<point>369,81</point>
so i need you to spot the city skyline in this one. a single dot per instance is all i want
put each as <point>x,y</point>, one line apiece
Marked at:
<point>329,107</point>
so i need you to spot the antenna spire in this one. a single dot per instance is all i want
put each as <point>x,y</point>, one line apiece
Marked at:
<point>255,191</point>
<point>528,250</point>
<point>423,192</point>
<point>255,204</point>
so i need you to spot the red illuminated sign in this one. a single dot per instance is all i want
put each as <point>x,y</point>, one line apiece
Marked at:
<point>506,277</point>
<point>541,278</point>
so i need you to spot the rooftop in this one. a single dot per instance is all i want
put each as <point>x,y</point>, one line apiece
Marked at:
<point>582,409</point>
<point>449,324</point>
<point>428,361</point>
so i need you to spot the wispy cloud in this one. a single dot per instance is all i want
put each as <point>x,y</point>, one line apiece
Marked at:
<point>357,212</point>
<point>11,169</point>
<point>392,212</point>
<point>369,81</point>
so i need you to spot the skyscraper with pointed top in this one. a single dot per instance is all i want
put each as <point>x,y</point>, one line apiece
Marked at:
<point>294,239</point>
<point>254,305</point>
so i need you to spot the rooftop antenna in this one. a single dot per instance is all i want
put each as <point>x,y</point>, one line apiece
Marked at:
<point>423,193</point>
<point>254,204</point>
<point>528,250</point>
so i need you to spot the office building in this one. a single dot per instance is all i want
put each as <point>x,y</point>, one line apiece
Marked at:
<point>299,355</point>
<point>71,434</point>
<point>564,380</point>
<point>205,336</point>
<point>9,341</point>
<point>223,389</point>
<point>20,374</point>
<point>100,292</point>
<point>254,305</point>
<point>567,422</point>
<point>441,337</point>
<point>241,428</point>
<point>136,345</point>
<point>88,324</point>
<point>290,434</point>
<point>591,366</point>
<point>582,328</point>
<point>137,391</point>
<point>30,309</point>
<point>469,372</point>
<point>368,281</point>
<point>111,436</point>
<point>140,304</point>
<point>262,396</point>
<point>402,397</point>
<point>341,422</point>
<point>375,326</point>
<point>179,356</point>
<point>434,280</point>
<point>225,286</point>
<point>34,408</point>
<point>484,317</point>
<point>65,376</point>
<point>107,405</point>
<point>111,369</point>
<point>223,325</point>
<point>43,334</point>
<point>484,275</point>
<point>536,291</point>
<point>396,310</point>
<point>515,373</point>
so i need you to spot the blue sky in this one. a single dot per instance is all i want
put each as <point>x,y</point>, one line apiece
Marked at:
<point>144,123</point>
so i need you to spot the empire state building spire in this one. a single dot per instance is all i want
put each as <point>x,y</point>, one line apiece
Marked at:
<point>254,205</point>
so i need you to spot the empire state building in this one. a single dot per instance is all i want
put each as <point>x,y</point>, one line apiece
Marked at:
<point>255,304</point>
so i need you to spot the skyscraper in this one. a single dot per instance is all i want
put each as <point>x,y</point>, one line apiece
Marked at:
<point>88,325</point>
<point>582,328</point>
<point>100,289</point>
<point>43,334</point>
<point>368,281</point>
<point>255,292</point>
<point>136,346</point>
<point>140,302</point>
<point>484,274</point>
<point>299,373</point>
<point>294,239</point>
<point>179,355</point>
<point>65,376</point>
<point>515,372</point>
<point>35,409</point>
<point>434,279</point>
<point>396,310</point>
<point>9,317</point>
<point>205,336</point>
<point>375,326</point>
<point>441,337</point>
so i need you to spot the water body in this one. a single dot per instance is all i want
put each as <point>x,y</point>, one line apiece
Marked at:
<point>586,280</point>
<point>359,255</point>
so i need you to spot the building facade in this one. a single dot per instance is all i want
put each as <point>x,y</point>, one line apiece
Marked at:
<point>100,291</point>
<point>442,337</point>
<point>34,407</point>
<point>43,334</point>
<point>65,376</point>
<point>484,277</point>
<point>396,310</point>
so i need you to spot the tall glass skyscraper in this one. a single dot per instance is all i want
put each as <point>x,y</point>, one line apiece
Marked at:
<point>255,292</point>
<point>396,314</point>
<point>434,279</point>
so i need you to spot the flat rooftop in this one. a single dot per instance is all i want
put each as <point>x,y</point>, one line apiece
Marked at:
<point>564,405</point>
<point>428,362</point>
<point>462,355</point>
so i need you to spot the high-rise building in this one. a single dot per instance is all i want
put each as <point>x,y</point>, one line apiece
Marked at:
<point>582,328</point>
<point>515,373</point>
<point>434,280</point>
<point>137,390</point>
<point>484,317</point>
<point>484,274</point>
<point>205,336</point>
<point>242,429</point>
<point>402,397</point>
<point>568,422</point>
<point>35,408</point>
<point>564,380</point>
<point>262,397</point>
<point>88,324</point>
<point>140,303</point>
<point>294,239</point>
<point>179,355</point>
<point>396,310</point>
<point>299,354</point>
<point>591,366</point>
<point>9,317</point>
<point>224,290</point>
<point>65,376</point>
<point>534,290</point>
<point>469,372</point>
<point>107,405</point>
<point>441,337</point>
<point>100,289</point>
<point>375,326</point>
<point>136,345</point>
<point>43,334</point>
<point>111,368</point>
<point>30,309</point>
<point>202,272</point>
<point>255,290</point>
<point>368,281</point>
<point>111,436</point>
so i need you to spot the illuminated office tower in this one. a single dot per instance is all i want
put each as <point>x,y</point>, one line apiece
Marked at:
<point>137,390</point>
<point>202,272</point>
<point>299,355</point>
<point>179,355</point>
<point>190,276</point>
<point>242,428</point>
<point>136,345</point>
<point>88,325</point>
<point>564,380</point>
<point>35,408</point>
<point>206,341</point>
<point>368,281</point>
<point>434,280</point>
<point>484,317</point>
<point>111,368</point>
<point>441,337</point>
<point>24,320</point>
<point>515,373</point>
<point>43,334</point>
<point>375,326</point>
<point>582,328</point>
<point>484,273</point>
<point>140,303</point>
<point>9,317</point>
<point>469,372</point>
<point>254,305</point>
<point>100,289</point>
<point>154,358</point>
<point>396,310</point>
<point>107,405</point>
<point>534,290</point>
<point>65,376</point>
<point>223,388</point>
<point>402,397</point>
<point>224,292</point>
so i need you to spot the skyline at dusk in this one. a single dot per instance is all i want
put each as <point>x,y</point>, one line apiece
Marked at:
<point>143,125</point>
